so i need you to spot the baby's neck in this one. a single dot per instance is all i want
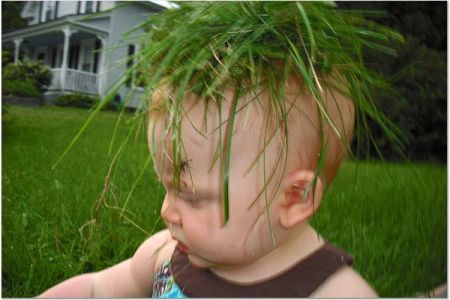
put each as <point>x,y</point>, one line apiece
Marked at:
<point>302,242</point>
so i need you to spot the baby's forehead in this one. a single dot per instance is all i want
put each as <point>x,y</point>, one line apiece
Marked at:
<point>210,120</point>
<point>206,125</point>
<point>204,130</point>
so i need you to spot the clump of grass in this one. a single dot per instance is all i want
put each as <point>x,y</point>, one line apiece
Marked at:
<point>205,48</point>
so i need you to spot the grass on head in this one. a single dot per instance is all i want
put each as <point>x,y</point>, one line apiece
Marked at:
<point>207,47</point>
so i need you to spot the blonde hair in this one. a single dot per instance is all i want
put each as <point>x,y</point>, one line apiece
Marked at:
<point>319,127</point>
<point>315,127</point>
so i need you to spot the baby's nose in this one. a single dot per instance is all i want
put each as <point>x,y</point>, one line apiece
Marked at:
<point>170,213</point>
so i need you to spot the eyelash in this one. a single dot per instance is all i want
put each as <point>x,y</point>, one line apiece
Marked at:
<point>189,199</point>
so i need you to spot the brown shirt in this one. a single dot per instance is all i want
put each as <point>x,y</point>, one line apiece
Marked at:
<point>301,280</point>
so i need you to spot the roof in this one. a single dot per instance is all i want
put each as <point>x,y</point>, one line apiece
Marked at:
<point>51,27</point>
<point>164,3</point>
<point>71,19</point>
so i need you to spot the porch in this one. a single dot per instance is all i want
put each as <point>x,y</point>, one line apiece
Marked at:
<point>75,81</point>
<point>73,52</point>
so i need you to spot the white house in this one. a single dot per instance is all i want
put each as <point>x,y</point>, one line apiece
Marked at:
<point>81,41</point>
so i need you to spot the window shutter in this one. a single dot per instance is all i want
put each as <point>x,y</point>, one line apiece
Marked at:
<point>131,50</point>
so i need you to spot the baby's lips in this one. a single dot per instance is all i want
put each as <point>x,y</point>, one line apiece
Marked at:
<point>182,247</point>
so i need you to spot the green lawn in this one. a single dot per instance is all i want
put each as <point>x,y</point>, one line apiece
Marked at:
<point>391,217</point>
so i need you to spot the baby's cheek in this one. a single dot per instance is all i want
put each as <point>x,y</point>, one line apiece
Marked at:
<point>258,240</point>
<point>205,220</point>
<point>212,216</point>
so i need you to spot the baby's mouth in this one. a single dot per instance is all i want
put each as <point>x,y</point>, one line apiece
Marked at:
<point>182,248</point>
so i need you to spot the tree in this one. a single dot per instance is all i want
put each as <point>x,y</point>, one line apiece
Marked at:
<point>418,74</point>
<point>11,19</point>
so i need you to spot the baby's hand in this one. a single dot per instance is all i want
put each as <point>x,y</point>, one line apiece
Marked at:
<point>130,278</point>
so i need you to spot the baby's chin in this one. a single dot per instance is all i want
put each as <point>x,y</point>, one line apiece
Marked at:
<point>200,262</point>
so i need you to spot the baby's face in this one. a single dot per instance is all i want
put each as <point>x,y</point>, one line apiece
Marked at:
<point>194,215</point>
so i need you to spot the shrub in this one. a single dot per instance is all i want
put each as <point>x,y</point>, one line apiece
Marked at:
<point>7,58</point>
<point>21,88</point>
<point>85,101</point>
<point>77,100</point>
<point>115,104</point>
<point>32,71</point>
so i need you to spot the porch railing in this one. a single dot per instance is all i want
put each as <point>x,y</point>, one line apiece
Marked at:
<point>56,80</point>
<point>76,81</point>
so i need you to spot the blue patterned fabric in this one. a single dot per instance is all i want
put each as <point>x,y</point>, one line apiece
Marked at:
<point>164,285</point>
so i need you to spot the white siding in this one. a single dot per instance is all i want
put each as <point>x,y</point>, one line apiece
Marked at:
<point>123,19</point>
<point>67,8</point>
<point>101,23</point>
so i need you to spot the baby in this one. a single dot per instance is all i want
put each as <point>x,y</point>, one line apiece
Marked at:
<point>266,248</point>
<point>250,119</point>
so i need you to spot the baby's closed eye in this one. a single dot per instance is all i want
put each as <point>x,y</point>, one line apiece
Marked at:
<point>193,200</point>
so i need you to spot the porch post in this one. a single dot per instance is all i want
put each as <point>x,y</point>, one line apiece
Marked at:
<point>67,33</point>
<point>17,43</point>
<point>101,79</point>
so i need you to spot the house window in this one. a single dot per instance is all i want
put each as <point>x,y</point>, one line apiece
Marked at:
<point>53,58</point>
<point>87,58</point>
<point>41,57</point>
<point>49,12</point>
<point>74,53</point>
<point>89,7</point>
<point>136,79</point>
<point>56,54</point>
<point>41,54</point>
<point>131,50</point>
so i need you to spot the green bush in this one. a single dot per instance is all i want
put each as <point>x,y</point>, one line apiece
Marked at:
<point>32,71</point>
<point>7,58</point>
<point>21,88</point>
<point>85,101</point>
<point>77,100</point>
<point>419,76</point>
<point>114,104</point>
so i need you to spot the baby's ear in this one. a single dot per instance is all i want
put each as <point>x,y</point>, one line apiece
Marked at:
<point>302,196</point>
